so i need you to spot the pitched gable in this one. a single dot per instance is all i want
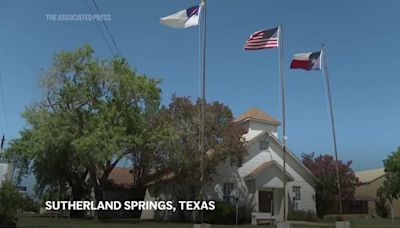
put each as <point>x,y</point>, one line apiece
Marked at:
<point>276,154</point>
<point>258,115</point>
<point>367,176</point>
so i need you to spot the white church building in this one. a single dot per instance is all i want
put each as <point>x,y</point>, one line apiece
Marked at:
<point>5,172</point>
<point>258,183</point>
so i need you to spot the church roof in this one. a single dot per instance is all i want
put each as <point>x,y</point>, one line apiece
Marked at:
<point>256,114</point>
<point>263,166</point>
<point>367,176</point>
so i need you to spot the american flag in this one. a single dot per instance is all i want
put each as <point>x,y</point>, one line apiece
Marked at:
<point>262,39</point>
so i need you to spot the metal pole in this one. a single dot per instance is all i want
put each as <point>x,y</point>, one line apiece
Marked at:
<point>272,211</point>
<point>58,199</point>
<point>12,163</point>
<point>330,107</point>
<point>203,99</point>
<point>282,79</point>
<point>237,210</point>
<point>392,210</point>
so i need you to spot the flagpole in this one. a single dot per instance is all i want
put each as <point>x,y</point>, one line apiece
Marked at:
<point>1,146</point>
<point>203,97</point>
<point>330,107</point>
<point>282,82</point>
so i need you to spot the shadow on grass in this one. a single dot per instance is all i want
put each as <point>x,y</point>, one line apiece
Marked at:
<point>36,221</point>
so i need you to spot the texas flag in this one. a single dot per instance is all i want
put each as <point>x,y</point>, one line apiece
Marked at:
<point>182,19</point>
<point>307,61</point>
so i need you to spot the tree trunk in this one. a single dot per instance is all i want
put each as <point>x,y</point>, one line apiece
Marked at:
<point>98,195</point>
<point>77,193</point>
<point>138,193</point>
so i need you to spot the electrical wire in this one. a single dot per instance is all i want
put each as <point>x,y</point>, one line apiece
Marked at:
<point>107,29</point>
<point>100,30</point>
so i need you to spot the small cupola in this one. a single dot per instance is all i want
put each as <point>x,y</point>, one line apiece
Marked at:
<point>257,120</point>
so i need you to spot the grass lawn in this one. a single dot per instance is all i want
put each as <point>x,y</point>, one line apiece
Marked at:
<point>44,222</point>
<point>375,223</point>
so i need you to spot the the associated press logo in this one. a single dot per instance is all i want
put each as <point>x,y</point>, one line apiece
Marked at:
<point>72,17</point>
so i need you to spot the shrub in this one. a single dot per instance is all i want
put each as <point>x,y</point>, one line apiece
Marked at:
<point>10,202</point>
<point>301,215</point>
<point>382,209</point>
<point>244,215</point>
<point>339,218</point>
<point>224,213</point>
<point>29,204</point>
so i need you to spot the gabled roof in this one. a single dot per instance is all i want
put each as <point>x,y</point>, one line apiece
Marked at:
<point>294,156</point>
<point>263,166</point>
<point>367,176</point>
<point>258,115</point>
<point>289,152</point>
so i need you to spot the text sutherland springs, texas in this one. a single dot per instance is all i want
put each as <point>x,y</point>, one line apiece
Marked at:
<point>129,205</point>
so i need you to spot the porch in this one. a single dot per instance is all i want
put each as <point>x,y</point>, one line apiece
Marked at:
<point>269,206</point>
<point>267,182</point>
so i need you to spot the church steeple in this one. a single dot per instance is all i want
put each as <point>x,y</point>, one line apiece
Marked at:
<point>257,120</point>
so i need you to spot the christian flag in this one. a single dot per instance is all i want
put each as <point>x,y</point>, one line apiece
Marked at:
<point>182,19</point>
<point>307,61</point>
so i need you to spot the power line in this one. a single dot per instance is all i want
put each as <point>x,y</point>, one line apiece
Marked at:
<point>107,29</point>
<point>100,30</point>
<point>3,104</point>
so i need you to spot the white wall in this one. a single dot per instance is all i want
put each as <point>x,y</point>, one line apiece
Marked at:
<point>256,157</point>
<point>229,174</point>
<point>261,126</point>
<point>3,172</point>
<point>301,178</point>
<point>307,194</point>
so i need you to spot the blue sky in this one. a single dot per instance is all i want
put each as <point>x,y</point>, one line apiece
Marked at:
<point>361,38</point>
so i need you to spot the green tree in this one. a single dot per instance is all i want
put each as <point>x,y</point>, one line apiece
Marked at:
<point>10,202</point>
<point>324,169</point>
<point>180,153</point>
<point>390,189</point>
<point>92,115</point>
<point>148,155</point>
